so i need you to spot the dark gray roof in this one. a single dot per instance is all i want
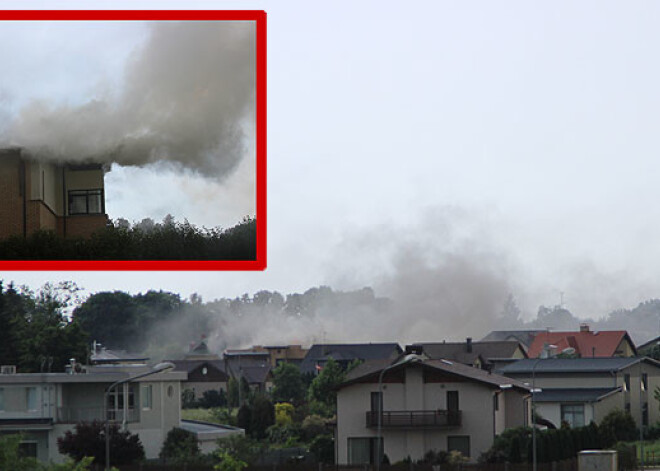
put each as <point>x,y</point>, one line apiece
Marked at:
<point>374,367</point>
<point>348,352</point>
<point>256,374</point>
<point>191,365</point>
<point>572,365</point>
<point>574,395</point>
<point>525,337</point>
<point>458,350</point>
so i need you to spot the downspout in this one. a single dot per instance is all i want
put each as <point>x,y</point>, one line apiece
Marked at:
<point>22,188</point>
<point>64,202</point>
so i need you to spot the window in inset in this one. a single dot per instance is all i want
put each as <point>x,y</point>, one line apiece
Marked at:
<point>86,202</point>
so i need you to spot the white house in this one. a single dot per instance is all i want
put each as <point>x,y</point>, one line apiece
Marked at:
<point>581,390</point>
<point>426,405</point>
<point>43,406</point>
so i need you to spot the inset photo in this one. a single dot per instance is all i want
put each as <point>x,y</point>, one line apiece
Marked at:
<point>133,140</point>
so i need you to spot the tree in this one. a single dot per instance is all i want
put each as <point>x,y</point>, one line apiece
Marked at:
<point>88,439</point>
<point>262,416</point>
<point>284,413</point>
<point>244,418</point>
<point>213,398</point>
<point>232,392</point>
<point>324,387</point>
<point>288,384</point>
<point>10,456</point>
<point>618,425</point>
<point>180,447</point>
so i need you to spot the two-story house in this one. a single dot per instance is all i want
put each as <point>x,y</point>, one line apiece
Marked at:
<point>65,198</point>
<point>43,406</point>
<point>426,405</point>
<point>581,390</point>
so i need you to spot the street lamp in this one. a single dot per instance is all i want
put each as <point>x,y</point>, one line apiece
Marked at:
<point>410,358</point>
<point>156,369</point>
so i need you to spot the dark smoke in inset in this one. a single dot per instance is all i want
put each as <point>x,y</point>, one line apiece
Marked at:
<point>188,97</point>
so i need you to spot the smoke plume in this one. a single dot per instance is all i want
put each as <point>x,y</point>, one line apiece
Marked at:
<point>187,97</point>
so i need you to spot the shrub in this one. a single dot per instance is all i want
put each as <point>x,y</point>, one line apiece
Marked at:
<point>323,447</point>
<point>617,426</point>
<point>627,455</point>
<point>88,439</point>
<point>312,426</point>
<point>180,446</point>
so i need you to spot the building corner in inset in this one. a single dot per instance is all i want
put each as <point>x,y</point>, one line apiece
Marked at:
<point>63,197</point>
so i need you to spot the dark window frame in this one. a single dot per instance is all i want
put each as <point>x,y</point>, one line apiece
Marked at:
<point>459,437</point>
<point>93,192</point>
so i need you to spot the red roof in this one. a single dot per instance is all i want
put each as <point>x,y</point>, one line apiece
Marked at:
<point>586,343</point>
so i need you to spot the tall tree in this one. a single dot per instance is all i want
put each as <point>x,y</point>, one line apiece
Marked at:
<point>324,387</point>
<point>288,384</point>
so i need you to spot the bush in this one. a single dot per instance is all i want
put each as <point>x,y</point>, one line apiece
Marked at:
<point>213,398</point>
<point>88,439</point>
<point>284,413</point>
<point>312,426</point>
<point>323,447</point>
<point>617,426</point>
<point>627,456</point>
<point>180,446</point>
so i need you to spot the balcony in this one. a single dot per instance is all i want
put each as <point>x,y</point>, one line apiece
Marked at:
<point>415,419</point>
<point>72,415</point>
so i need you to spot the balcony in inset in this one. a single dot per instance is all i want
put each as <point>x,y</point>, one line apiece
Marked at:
<point>415,419</point>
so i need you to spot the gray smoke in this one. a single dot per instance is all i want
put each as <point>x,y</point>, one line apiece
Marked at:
<point>188,97</point>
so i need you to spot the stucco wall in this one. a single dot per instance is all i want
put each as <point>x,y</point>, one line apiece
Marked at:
<point>475,402</point>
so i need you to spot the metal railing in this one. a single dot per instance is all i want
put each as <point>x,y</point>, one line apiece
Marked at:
<point>416,418</point>
<point>72,415</point>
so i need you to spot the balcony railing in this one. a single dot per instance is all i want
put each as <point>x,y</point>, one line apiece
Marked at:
<point>72,415</point>
<point>415,418</point>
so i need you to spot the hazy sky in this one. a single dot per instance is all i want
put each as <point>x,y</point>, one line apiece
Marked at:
<point>521,136</point>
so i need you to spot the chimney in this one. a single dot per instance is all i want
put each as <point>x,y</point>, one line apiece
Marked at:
<point>468,344</point>
<point>584,327</point>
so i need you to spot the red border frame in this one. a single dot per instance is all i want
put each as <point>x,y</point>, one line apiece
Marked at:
<point>259,17</point>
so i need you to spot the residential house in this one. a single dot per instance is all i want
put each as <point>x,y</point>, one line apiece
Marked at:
<point>484,355</point>
<point>525,337</point>
<point>581,390</point>
<point>278,354</point>
<point>43,406</point>
<point>347,353</point>
<point>253,367</point>
<point>206,371</point>
<point>66,198</point>
<point>426,405</point>
<point>584,343</point>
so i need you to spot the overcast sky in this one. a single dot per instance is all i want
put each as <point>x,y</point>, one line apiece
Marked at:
<point>522,135</point>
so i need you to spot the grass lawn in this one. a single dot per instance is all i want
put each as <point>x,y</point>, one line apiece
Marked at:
<point>214,415</point>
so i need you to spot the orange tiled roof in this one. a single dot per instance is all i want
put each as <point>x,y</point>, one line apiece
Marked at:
<point>586,343</point>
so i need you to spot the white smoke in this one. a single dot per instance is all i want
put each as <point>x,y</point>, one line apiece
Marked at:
<point>188,97</point>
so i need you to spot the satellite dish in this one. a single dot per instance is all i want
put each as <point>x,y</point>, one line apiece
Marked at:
<point>568,351</point>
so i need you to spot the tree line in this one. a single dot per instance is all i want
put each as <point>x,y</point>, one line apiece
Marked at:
<point>169,240</point>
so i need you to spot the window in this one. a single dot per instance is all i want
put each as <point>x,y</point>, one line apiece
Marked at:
<point>31,399</point>
<point>626,382</point>
<point>459,443</point>
<point>628,407</point>
<point>116,402</point>
<point>645,413</point>
<point>496,402</point>
<point>376,402</point>
<point>147,397</point>
<point>573,414</point>
<point>452,400</point>
<point>2,399</point>
<point>364,450</point>
<point>645,381</point>
<point>27,449</point>
<point>86,202</point>
<point>170,391</point>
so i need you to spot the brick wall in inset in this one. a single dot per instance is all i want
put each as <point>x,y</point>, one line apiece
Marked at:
<point>11,201</point>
